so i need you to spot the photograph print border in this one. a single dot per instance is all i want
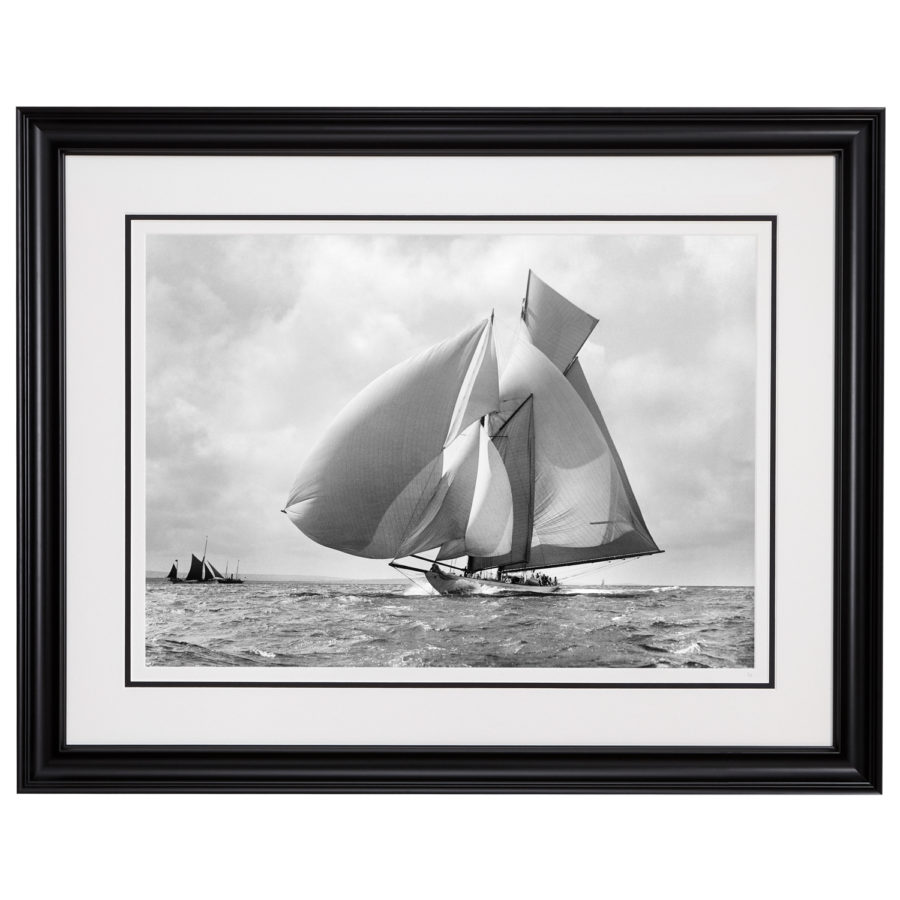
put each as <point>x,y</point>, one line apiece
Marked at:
<point>853,137</point>
<point>130,681</point>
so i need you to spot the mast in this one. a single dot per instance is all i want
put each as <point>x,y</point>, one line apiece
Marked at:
<point>530,495</point>
<point>524,314</point>
<point>206,575</point>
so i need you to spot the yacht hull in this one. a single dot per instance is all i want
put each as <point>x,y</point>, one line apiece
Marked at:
<point>462,585</point>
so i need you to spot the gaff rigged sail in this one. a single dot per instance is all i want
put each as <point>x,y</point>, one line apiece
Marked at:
<point>581,507</point>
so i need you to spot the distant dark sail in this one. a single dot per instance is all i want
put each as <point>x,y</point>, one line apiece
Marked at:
<point>196,571</point>
<point>173,573</point>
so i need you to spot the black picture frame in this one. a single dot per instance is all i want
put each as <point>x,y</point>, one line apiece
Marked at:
<point>852,763</point>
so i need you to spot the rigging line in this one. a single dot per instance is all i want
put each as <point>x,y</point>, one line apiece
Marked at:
<point>517,409</point>
<point>585,569</point>
<point>612,564</point>
<point>579,573</point>
<point>396,565</point>
<point>412,580</point>
<point>436,562</point>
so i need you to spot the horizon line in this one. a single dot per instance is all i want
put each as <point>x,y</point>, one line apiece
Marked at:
<point>263,576</point>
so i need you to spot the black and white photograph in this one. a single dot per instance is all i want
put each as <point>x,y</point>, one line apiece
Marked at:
<point>450,449</point>
<point>409,448</point>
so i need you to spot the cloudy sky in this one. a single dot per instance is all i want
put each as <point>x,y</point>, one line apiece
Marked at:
<point>254,342</point>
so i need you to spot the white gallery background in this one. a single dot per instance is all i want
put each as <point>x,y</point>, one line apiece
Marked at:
<point>570,53</point>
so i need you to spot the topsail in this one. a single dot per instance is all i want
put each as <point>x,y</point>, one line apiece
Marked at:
<point>444,453</point>
<point>556,326</point>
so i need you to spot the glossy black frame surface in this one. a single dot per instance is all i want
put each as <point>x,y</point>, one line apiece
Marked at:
<point>855,138</point>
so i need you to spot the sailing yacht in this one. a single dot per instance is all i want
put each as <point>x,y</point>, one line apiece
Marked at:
<point>506,473</point>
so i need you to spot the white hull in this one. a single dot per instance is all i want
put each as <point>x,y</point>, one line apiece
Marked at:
<point>445,583</point>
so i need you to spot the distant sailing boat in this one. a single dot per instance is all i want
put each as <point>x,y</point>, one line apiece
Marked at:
<point>202,571</point>
<point>233,579</point>
<point>514,472</point>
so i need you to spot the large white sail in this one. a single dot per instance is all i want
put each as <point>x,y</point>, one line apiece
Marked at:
<point>557,327</point>
<point>583,507</point>
<point>489,532</point>
<point>513,436</point>
<point>489,527</point>
<point>480,390</point>
<point>445,514</point>
<point>370,483</point>
<point>573,471</point>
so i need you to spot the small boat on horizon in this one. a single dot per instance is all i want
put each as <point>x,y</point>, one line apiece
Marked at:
<point>507,473</point>
<point>202,571</point>
<point>235,577</point>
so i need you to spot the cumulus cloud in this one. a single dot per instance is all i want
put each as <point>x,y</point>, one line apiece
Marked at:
<point>254,342</point>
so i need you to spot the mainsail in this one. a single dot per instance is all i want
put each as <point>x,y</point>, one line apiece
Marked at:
<point>442,453</point>
<point>582,507</point>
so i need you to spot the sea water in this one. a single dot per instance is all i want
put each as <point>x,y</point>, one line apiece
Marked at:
<point>262,623</point>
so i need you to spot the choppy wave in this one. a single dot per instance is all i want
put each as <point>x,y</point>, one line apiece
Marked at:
<point>357,624</point>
